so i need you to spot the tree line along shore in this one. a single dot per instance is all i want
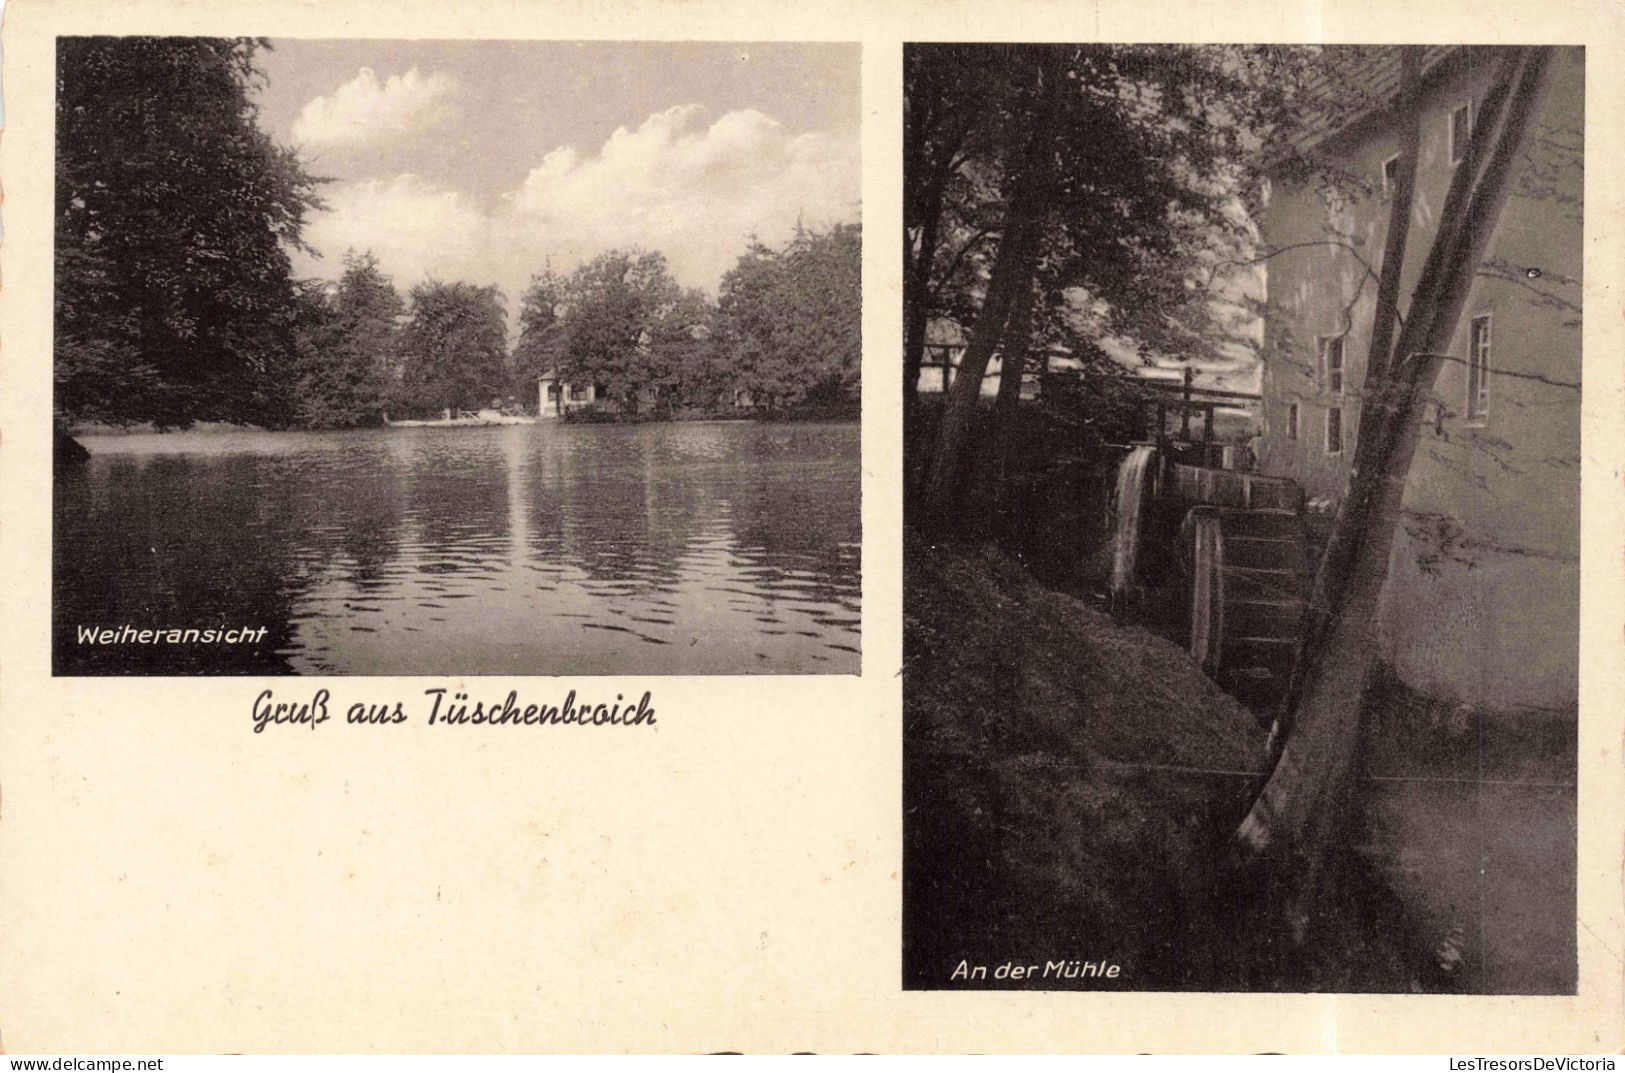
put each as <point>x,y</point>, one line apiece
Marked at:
<point>177,302</point>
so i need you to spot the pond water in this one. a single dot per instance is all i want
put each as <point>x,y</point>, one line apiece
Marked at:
<point>689,548</point>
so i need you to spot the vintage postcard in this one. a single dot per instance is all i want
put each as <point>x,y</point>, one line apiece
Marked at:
<point>476,581</point>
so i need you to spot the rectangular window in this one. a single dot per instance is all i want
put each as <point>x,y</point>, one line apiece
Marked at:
<point>1334,430</point>
<point>1292,421</point>
<point>1478,370</point>
<point>1331,363</point>
<point>1461,129</point>
<point>1390,175</point>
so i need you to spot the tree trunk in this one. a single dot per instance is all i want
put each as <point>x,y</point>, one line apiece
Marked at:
<point>1308,792</point>
<point>917,275</point>
<point>1012,272</point>
<point>66,452</point>
<point>1007,407</point>
<point>1399,216</point>
<point>1029,193</point>
<point>1373,410</point>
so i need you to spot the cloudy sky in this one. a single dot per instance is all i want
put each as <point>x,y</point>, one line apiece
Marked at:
<point>484,161</point>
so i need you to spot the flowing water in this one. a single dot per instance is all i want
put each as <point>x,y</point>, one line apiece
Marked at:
<point>1131,476</point>
<point>690,548</point>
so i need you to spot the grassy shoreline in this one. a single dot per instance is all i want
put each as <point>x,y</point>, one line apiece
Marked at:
<point>92,428</point>
<point>1070,785</point>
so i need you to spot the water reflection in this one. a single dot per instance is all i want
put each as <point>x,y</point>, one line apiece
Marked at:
<point>546,549</point>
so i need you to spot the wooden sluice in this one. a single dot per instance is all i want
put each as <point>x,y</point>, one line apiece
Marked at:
<point>1232,548</point>
<point>1195,538</point>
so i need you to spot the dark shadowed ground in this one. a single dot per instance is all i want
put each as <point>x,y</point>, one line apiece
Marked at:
<point>1070,783</point>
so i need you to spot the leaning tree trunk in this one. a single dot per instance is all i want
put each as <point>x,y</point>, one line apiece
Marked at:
<point>1293,820</point>
<point>917,265</point>
<point>1327,588</point>
<point>1007,407</point>
<point>1030,191</point>
<point>1386,316</point>
<point>1012,271</point>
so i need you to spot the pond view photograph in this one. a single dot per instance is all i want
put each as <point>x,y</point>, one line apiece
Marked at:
<point>390,357</point>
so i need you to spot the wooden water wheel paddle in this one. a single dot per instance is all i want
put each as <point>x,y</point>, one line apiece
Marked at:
<point>1248,579</point>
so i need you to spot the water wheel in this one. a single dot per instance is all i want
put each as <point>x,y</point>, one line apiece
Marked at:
<point>1248,579</point>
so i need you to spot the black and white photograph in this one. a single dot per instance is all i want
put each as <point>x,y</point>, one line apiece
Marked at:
<point>1241,585</point>
<point>390,357</point>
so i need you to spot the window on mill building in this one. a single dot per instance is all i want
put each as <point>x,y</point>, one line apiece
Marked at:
<point>1478,370</point>
<point>1334,430</point>
<point>1330,354</point>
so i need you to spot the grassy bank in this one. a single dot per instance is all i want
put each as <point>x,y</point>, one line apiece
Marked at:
<point>1070,783</point>
<point>592,415</point>
<point>1060,474</point>
<point>147,428</point>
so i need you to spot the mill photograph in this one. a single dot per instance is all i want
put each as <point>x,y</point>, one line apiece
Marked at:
<point>476,357</point>
<point>1242,531</point>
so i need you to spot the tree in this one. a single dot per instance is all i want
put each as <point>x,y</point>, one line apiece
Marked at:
<point>1104,176</point>
<point>453,348</point>
<point>348,350</point>
<point>788,320</point>
<point>174,211</point>
<point>944,97</point>
<point>541,346</point>
<point>745,323</point>
<point>1292,822</point>
<point>619,310</point>
<point>682,336</point>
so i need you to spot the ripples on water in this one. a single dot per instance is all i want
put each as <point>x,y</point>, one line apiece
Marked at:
<point>701,548</point>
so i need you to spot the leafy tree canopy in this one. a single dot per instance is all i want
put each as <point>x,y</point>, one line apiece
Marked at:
<point>540,348</point>
<point>1136,165</point>
<point>453,348</point>
<point>174,298</point>
<point>348,348</point>
<point>627,325</point>
<point>788,319</point>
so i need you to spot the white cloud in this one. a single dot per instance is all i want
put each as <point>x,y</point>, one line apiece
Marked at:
<point>414,228</point>
<point>693,191</point>
<point>366,112</point>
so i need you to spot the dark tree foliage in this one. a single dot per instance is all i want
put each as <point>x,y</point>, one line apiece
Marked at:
<point>348,348</point>
<point>628,326</point>
<point>453,350</point>
<point>1094,188</point>
<point>692,376</point>
<point>540,348</point>
<point>789,319</point>
<point>174,211</point>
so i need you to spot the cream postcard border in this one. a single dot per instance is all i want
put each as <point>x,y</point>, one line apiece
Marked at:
<point>170,882</point>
